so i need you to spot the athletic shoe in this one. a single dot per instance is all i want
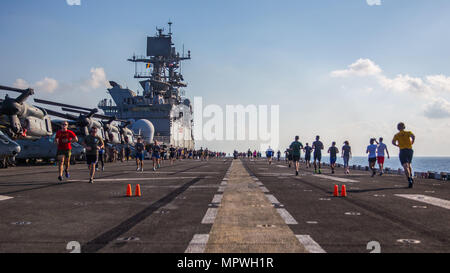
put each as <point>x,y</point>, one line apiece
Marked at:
<point>91,181</point>
<point>320,172</point>
<point>154,169</point>
<point>296,173</point>
<point>138,169</point>
<point>67,174</point>
<point>410,182</point>
<point>381,173</point>
<point>60,178</point>
<point>103,169</point>
<point>142,170</point>
<point>332,171</point>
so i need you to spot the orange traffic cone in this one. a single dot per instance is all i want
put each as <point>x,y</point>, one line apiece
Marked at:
<point>129,193</point>
<point>344,191</point>
<point>138,190</point>
<point>336,191</point>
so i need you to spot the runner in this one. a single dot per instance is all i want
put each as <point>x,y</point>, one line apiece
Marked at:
<point>140,154</point>
<point>156,155</point>
<point>289,157</point>
<point>333,151</point>
<point>269,155</point>
<point>249,154</point>
<point>372,151</point>
<point>318,147</point>
<point>278,155</point>
<point>172,154</point>
<point>127,152</point>
<point>64,139</point>
<point>93,144</point>
<point>101,155</point>
<point>296,147</point>
<point>380,154</point>
<point>346,155</point>
<point>308,150</point>
<point>404,140</point>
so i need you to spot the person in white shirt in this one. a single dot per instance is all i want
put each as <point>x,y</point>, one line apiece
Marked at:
<point>380,154</point>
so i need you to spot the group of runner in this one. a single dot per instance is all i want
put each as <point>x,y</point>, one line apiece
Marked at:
<point>95,148</point>
<point>376,151</point>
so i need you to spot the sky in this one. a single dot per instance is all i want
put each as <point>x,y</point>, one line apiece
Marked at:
<point>344,70</point>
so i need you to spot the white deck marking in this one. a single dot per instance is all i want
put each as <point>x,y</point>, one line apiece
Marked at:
<point>210,216</point>
<point>4,197</point>
<point>177,186</point>
<point>287,217</point>
<point>197,244</point>
<point>135,179</point>
<point>264,189</point>
<point>217,198</point>
<point>310,245</point>
<point>177,172</point>
<point>221,189</point>
<point>223,183</point>
<point>427,199</point>
<point>339,179</point>
<point>259,183</point>
<point>281,166</point>
<point>272,199</point>
<point>277,174</point>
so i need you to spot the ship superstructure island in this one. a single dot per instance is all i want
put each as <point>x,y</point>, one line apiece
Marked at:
<point>161,104</point>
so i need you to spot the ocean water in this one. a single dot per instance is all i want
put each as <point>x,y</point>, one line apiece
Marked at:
<point>419,163</point>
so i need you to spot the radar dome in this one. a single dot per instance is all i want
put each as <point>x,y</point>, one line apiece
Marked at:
<point>145,129</point>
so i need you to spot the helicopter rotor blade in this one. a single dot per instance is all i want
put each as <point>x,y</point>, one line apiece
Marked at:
<point>7,88</point>
<point>61,115</point>
<point>61,104</point>
<point>86,113</point>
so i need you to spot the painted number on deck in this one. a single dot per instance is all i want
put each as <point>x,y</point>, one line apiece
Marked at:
<point>374,246</point>
<point>74,246</point>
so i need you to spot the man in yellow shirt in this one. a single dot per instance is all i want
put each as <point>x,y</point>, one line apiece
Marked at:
<point>404,140</point>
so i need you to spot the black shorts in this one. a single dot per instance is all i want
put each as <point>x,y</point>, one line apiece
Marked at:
<point>406,156</point>
<point>172,155</point>
<point>308,157</point>
<point>91,159</point>
<point>318,156</point>
<point>296,158</point>
<point>290,157</point>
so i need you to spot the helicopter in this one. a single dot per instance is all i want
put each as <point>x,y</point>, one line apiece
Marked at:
<point>8,149</point>
<point>21,120</point>
<point>81,124</point>
<point>45,149</point>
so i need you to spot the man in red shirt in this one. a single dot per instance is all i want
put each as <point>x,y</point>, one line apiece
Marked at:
<point>64,138</point>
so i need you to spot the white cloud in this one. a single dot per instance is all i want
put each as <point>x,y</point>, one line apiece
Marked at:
<point>437,109</point>
<point>373,2</point>
<point>97,80</point>
<point>73,2</point>
<point>439,82</point>
<point>401,83</point>
<point>48,85</point>
<point>360,68</point>
<point>404,83</point>
<point>21,84</point>
<point>428,87</point>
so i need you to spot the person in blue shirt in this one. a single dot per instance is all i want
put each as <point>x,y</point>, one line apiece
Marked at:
<point>269,155</point>
<point>372,151</point>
